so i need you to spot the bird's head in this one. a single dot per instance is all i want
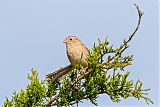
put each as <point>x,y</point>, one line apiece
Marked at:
<point>71,40</point>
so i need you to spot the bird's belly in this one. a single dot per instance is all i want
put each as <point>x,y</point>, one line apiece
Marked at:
<point>75,55</point>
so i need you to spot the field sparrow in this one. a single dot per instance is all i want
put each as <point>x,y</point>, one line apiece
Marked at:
<point>76,51</point>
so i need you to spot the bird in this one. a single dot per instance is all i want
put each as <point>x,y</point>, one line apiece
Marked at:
<point>76,51</point>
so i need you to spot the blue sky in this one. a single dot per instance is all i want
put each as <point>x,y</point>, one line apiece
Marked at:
<point>32,31</point>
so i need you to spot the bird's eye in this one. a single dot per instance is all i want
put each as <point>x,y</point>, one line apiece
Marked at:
<point>70,39</point>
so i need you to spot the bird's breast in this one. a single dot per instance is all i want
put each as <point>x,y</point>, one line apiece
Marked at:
<point>77,53</point>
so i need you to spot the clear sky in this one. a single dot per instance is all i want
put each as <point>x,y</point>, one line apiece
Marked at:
<point>32,31</point>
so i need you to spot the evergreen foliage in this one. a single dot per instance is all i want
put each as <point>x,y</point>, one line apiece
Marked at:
<point>106,74</point>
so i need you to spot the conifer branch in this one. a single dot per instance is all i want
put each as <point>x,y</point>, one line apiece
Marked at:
<point>102,76</point>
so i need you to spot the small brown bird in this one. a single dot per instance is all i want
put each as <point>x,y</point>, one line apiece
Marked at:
<point>76,51</point>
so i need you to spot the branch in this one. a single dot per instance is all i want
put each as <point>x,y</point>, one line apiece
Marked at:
<point>74,84</point>
<point>122,48</point>
<point>87,70</point>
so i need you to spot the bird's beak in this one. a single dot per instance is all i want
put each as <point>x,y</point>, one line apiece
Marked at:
<point>65,41</point>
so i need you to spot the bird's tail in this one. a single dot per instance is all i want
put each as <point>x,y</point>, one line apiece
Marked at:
<point>59,73</point>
